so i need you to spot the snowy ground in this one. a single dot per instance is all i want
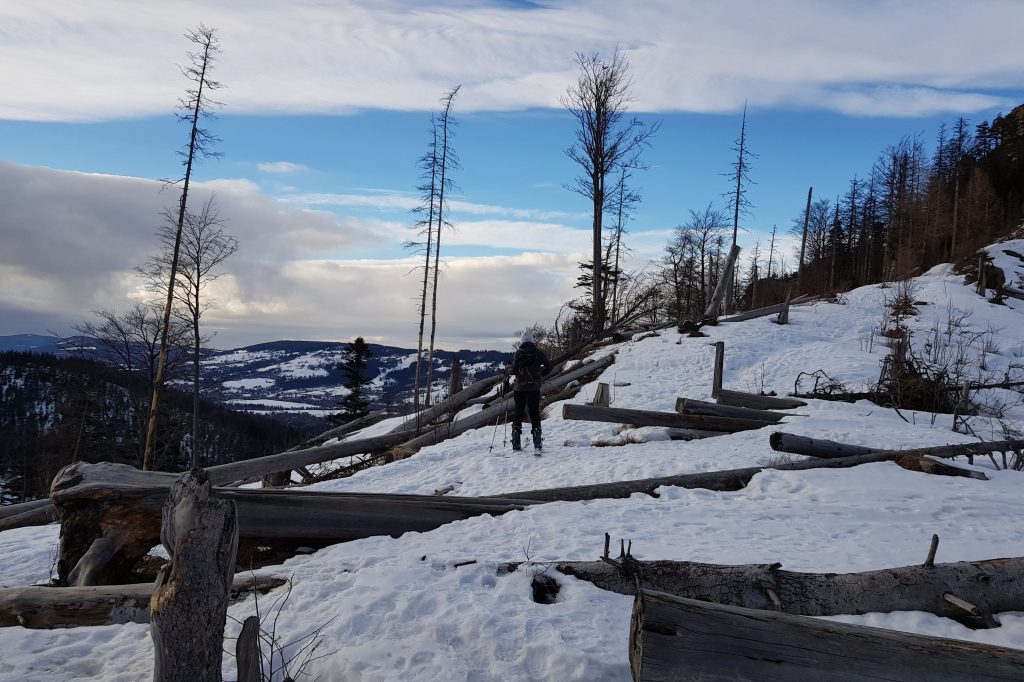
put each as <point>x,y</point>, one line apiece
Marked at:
<point>400,608</point>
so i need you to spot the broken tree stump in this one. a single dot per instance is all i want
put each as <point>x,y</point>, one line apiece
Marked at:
<point>992,586</point>
<point>619,415</point>
<point>190,597</point>
<point>672,638</point>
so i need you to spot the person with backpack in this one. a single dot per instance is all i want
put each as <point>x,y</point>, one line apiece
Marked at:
<point>529,367</point>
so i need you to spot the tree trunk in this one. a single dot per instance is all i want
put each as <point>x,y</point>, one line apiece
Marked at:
<point>34,513</point>
<point>190,598</point>
<point>757,402</point>
<point>992,586</point>
<point>815,447</point>
<point>44,607</point>
<point>701,407</point>
<point>760,312</point>
<point>618,415</point>
<point>454,402</point>
<point>683,639</point>
<point>723,282</point>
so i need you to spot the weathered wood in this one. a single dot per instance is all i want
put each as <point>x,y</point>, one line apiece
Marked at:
<point>619,415</point>
<point>723,283</point>
<point>935,467</point>
<point>452,403</point>
<point>602,396</point>
<point>719,368</point>
<point>222,474</point>
<point>190,597</point>
<point>672,638</point>
<point>994,584</point>
<point>759,312</point>
<point>247,651</point>
<point>34,513</point>
<point>120,507</point>
<point>702,407</point>
<point>814,447</point>
<point>723,481</point>
<point>44,607</point>
<point>757,402</point>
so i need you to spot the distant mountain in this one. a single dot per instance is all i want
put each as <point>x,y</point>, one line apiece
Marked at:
<point>298,378</point>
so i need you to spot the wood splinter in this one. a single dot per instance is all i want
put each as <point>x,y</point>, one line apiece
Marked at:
<point>774,597</point>
<point>930,561</point>
<point>988,619</point>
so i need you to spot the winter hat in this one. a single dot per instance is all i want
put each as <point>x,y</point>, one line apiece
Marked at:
<point>527,337</point>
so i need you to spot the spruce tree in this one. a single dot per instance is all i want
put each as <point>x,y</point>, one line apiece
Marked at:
<point>353,366</point>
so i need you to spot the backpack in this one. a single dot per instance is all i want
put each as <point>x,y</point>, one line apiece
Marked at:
<point>530,369</point>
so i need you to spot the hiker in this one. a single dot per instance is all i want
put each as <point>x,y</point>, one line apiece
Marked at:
<point>529,366</point>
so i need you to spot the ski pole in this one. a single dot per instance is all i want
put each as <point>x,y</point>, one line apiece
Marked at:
<point>494,433</point>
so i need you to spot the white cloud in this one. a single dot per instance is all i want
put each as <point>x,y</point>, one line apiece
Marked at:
<point>904,57</point>
<point>88,232</point>
<point>389,200</point>
<point>280,167</point>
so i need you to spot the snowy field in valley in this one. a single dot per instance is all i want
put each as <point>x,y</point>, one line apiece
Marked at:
<point>405,609</point>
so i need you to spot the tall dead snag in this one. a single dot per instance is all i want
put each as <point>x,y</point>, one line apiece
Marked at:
<point>195,105</point>
<point>672,638</point>
<point>605,143</point>
<point>190,599</point>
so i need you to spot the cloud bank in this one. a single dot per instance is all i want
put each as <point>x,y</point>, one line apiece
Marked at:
<point>69,243</point>
<point>107,59</point>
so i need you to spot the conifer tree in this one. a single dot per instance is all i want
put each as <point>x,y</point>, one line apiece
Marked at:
<point>354,367</point>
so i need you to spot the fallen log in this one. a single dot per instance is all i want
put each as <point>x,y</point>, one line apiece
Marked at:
<point>759,312</point>
<point>993,586</point>
<point>496,413</point>
<point>111,517</point>
<point>451,404</point>
<point>223,474</point>
<point>34,513</point>
<point>816,447</point>
<point>721,481</point>
<point>757,402</point>
<point>619,415</point>
<point>44,607</point>
<point>702,407</point>
<point>672,638</point>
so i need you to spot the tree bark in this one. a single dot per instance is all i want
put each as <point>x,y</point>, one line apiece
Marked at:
<point>814,447</point>
<point>190,597</point>
<point>757,402</point>
<point>993,586</point>
<point>618,415</point>
<point>683,639</point>
<point>723,283</point>
<point>34,513</point>
<point>760,312</point>
<point>704,408</point>
<point>44,607</point>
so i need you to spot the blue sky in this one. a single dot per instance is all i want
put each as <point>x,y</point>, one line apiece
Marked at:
<point>327,109</point>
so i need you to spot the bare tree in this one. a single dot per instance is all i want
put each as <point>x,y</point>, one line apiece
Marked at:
<point>130,341</point>
<point>428,207</point>
<point>738,201</point>
<point>203,246</point>
<point>449,161</point>
<point>194,106</point>
<point>605,142</point>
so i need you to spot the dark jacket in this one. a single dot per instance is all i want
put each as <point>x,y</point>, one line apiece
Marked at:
<point>529,366</point>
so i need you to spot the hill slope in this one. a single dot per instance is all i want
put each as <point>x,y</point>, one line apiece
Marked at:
<point>411,608</point>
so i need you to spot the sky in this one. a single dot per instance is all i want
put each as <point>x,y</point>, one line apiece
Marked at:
<point>326,109</point>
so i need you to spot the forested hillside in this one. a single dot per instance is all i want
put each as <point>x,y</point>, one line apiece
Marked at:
<point>54,411</point>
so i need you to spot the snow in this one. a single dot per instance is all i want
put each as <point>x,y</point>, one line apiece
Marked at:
<point>402,609</point>
<point>258,382</point>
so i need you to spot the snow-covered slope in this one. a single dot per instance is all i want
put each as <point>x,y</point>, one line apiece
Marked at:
<point>410,608</point>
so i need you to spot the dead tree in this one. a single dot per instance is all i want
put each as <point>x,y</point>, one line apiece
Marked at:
<point>672,638</point>
<point>969,592</point>
<point>190,598</point>
<point>618,415</point>
<point>195,105</point>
